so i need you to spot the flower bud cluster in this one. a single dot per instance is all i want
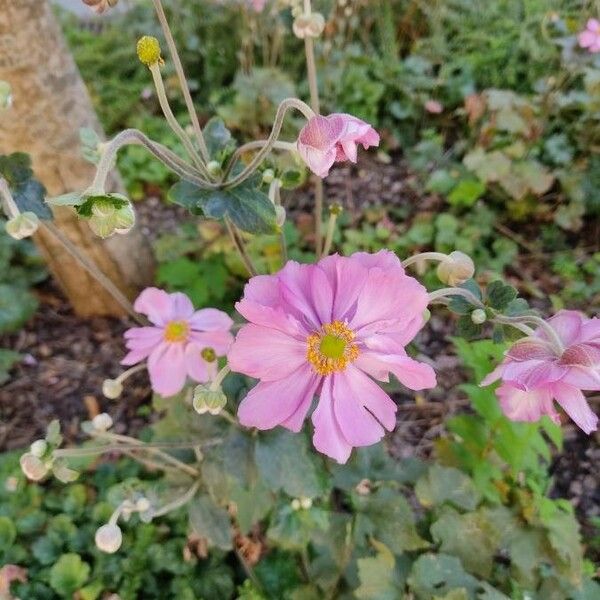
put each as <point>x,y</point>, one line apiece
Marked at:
<point>207,400</point>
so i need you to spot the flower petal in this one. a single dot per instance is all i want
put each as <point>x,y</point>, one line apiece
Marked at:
<point>274,403</point>
<point>567,324</point>
<point>197,368</point>
<point>219,341</point>
<point>167,369</point>
<point>181,307</point>
<point>155,304</point>
<point>575,405</point>
<point>521,405</point>
<point>210,319</point>
<point>265,353</point>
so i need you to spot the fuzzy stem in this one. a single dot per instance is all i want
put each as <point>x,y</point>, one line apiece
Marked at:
<point>178,502</point>
<point>10,206</point>
<point>330,231</point>
<point>433,256</point>
<point>129,372</point>
<point>220,376</point>
<point>532,319</point>
<point>240,247</point>
<point>455,291</point>
<point>93,270</point>
<point>275,197</point>
<point>282,109</point>
<point>182,78</point>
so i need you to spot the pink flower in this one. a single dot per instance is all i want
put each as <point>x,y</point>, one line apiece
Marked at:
<point>535,372</point>
<point>329,329</point>
<point>325,140</point>
<point>180,343</point>
<point>590,37</point>
<point>257,5</point>
<point>434,107</point>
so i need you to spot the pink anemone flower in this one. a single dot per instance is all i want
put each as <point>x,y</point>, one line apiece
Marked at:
<point>325,140</point>
<point>328,330</point>
<point>590,37</point>
<point>538,370</point>
<point>180,343</point>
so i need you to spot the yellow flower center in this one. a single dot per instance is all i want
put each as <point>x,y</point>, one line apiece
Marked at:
<point>176,331</point>
<point>332,348</point>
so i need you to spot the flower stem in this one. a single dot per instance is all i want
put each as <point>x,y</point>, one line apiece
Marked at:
<point>455,291</point>
<point>218,380</point>
<point>275,197</point>
<point>182,78</point>
<point>8,203</point>
<point>330,231</point>
<point>241,248</point>
<point>178,502</point>
<point>93,270</point>
<point>422,256</point>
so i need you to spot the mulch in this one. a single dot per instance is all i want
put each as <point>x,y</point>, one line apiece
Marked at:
<point>66,358</point>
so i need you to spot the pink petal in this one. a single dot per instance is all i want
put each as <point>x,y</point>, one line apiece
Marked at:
<point>321,294</point>
<point>587,39</point>
<point>349,150</point>
<point>210,319</point>
<point>197,368</point>
<point>140,341</point>
<point>575,405</point>
<point>521,405</point>
<point>219,341</point>
<point>155,304</point>
<point>167,369</point>
<point>321,133</point>
<point>567,324</point>
<point>493,376</point>
<point>135,356</point>
<point>265,353</point>
<point>276,402</point>
<point>318,161</point>
<point>593,25</point>
<point>182,307</point>
<point>295,288</point>
<point>590,331</point>
<point>384,259</point>
<point>531,374</point>
<point>530,349</point>
<point>584,378</point>
<point>328,437</point>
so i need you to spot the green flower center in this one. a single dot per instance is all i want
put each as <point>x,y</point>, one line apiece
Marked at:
<point>332,346</point>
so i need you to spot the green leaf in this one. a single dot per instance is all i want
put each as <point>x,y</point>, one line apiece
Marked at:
<point>248,207</point>
<point>467,192</point>
<point>69,574</point>
<point>488,167</point>
<point>284,462</point>
<point>294,529</point>
<point>8,359</point>
<point>8,533</point>
<point>387,516</point>
<point>27,192</point>
<point>252,505</point>
<point>211,522</point>
<point>217,137</point>
<point>434,575</point>
<point>447,485</point>
<point>53,435</point>
<point>440,182</point>
<point>16,306</point>
<point>500,295</point>
<point>378,577</point>
<point>466,328</point>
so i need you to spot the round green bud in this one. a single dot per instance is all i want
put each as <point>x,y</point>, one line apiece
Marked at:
<point>478,316</point>
<point>210,401</point>
<point>214,168</point>
<point>148,51</point>
<point>268,176</point>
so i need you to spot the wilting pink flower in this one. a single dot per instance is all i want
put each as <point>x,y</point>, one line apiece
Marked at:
<point>590,37</point>
<point>328,330</point>
<point>535,372</point>
<point>180,343</point>
<point>434,107</point>
<point>325,140</point>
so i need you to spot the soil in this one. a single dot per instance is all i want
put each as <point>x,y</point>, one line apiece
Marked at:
<point>66,359</point>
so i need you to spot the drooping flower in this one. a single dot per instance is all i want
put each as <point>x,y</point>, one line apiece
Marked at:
<point>328,330</point>
<point>180,343</point>
<point>434,107</point>
<point>537,370</point>
<point>335,138</point>
<point>590,37</point>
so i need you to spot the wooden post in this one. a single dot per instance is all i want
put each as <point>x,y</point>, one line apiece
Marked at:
<point>50,105</point>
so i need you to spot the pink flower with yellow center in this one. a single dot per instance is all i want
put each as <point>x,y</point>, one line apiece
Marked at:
<point>538,370</point>
<point>329,330</point>
<point>335,138</point>
<point>590,37</point>
<point>181,342</point>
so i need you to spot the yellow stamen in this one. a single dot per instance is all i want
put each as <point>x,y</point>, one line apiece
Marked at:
<point>332,348</point>
<point>176,331</point>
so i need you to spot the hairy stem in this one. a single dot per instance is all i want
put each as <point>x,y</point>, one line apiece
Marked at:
<point>433,256</point>
<point>178,502</point>
<point>455,291</point>
<point>8,203</point>
<point>240,247</point>
<point>182,78</point>
<point>330,231</point>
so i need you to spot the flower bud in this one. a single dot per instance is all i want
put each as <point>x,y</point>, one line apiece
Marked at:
<point>214,168</point>
<point>426,315</point>
<point>101,5</point>
<point>148,51</point>
<point>5,95</point>
<point>102,422</point>
<point>38,448</point>
<point>296,504</point>
<point>108,214</point>
<point>23,225</point>
<point>142,504</point>
<point>478,316</point>
<point>456,269</point>
<point>336,209</point>
<point>33,467</point>
<point>306,503</point>
<point>109,538</point>
<point>308,25</point>
<point>280,215</point>
<point>207,400</point>
<point>268,176</point>
<point>112,388</point>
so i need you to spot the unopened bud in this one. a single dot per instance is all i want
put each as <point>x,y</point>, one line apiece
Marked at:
<point>296,504</point>
<point>109,214</point>
<point>336,209</point>
<point>33,467</point>
<point>308,25</point>
<point>38,448</point>
<point>148,51</point>
<point>478,316</point>
<point>23,225</point>
<point>214,168</point>
<point>142,504</point>
<point>109,538</point>
<point>363,487</point>
<point>102,422</point>
<point>112,388</point>
<point>268,176</point>
<point>207,400</point>
<point>280,215</point>
<point>456,269</point>
<point>5,95</point>
<point>306,503</point>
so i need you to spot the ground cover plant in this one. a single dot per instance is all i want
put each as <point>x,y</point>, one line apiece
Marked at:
<point>271,418</point>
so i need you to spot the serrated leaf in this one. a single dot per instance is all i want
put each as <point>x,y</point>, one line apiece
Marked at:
<point>252,505</point>
<point>433,575</point>
<point>294,529</point>
<point>378,577</point>
<point>500,295</point>
<point>68,574</point>
<point>387,516</point>
<point>8,359</point>
<point>466,328</point>
<point>466,192</point>
<point>211,522</point>
<point>447,485</point>
<point>284,463</point>
<point>217,137</point>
